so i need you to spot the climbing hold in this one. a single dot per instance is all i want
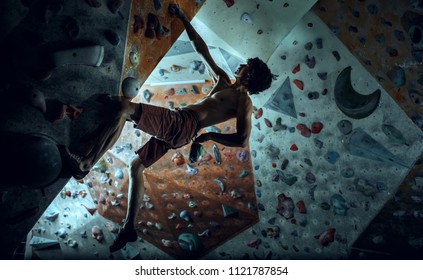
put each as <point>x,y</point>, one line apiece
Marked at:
<point>359,143</point>
<point>303,129</point>
<point>391,51</point>
<point>285,206</point>
<point>213,128</point>
<point>244,173</point>
<point>339,205</point>
<point>327,237</point>
<point>285,163</point>
<point>313,95</point>
<point>287,178</point>
<point>138,24</point>
<point>347,172</point>
<point>192,204</point>
<point>282,100</point>
<point>178,159</point>
<point>336,55</point>
<point>372,9</point>
<point>394,134</point>
<point>352,29</point>
<point>293,148</point>
<point>170,105</point>
<point>308,46</point>
<point>316,127</point>
<point>175,68</point>
<point>416,97</point>
<point>191,170</point>
<point>169,92</point>
<point>332,156</point>
<point>246,17</point>
<point>345,127</point>
<point>380,38</point>
<point>229,212</point>
<point>147,95</point>
<point>119,174</point>
<point>397,76</point>
<point>308,162</point>
<point>216,154</point>
<point>299,84</point>
<point>258,113</point>
<point>220,183</point>
<point>296,69</point>
<point>206,89</point>
<point>323,75</point>
<point>319,43</point>
<point>310,62</point>
<point>162,72</point>
<point>364,186</point>
<point>272,152</point>
<point>229,3</point>
<point>184,214</point>
<point>181,91</point>
<point>94,3</point>
<point>243,156</point>
<point>310,178</point>
<point>195,152</point>
<point>130,87</point>
<point>134,58</point>
<point>279,126</point>
<point>349,101</point>
<point>267,122</point>
<point>301,207</point>
<point>194,90</point>
<point>189,242</point>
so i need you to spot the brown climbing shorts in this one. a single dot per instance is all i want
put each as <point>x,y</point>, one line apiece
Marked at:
<point>170,130</point>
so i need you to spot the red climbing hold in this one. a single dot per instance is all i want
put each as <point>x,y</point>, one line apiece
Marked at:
<point>229,3</point>
<point>258,113</point>
<point>304,130</point>
<point>301,207</point>
<point>299,84</point>
<point>294,148</point>
<point>316,127</point>
<point>327,237</point>
<point>296,69</point>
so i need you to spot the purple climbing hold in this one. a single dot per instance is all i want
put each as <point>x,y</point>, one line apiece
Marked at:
<point>310,62</point>
<point>285,206</point>
<point>310,178</point>
<point>243,155</point>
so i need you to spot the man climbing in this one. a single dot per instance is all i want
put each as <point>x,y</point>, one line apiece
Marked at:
<point>172,129</point>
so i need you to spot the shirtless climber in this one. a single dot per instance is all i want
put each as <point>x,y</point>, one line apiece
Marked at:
<point>174,129</point>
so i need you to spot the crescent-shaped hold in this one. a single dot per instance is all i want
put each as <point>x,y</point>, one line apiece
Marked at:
<point>349,101</point>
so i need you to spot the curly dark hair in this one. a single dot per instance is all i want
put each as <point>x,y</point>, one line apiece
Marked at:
<point>260,77</point>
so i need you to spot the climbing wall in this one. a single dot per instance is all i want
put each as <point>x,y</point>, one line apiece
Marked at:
<point>250,28</point>
<point>386,39</point>
<point>311,185</point>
